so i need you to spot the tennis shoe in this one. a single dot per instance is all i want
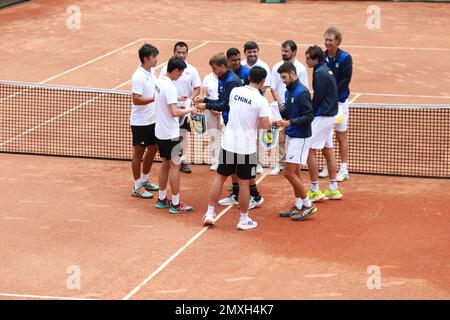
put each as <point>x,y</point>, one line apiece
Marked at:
<point>304,213</point>
<point>209,219</point>
<point>316,196</point>
<point>180,208</point>
<point>342,176</point>
<point>141,193</point>
<point>162,204</point>
<point>231,200</point>
<point>247,225</point>
<point>150,186</point>
<point>324,173</point>
<point>333,195</point>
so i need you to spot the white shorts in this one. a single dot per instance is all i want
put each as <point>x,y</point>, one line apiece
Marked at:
<point>297,150</point>
<point>344,112</point>
<point>322,132</point>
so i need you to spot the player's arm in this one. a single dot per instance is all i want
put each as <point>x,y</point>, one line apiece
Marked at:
<point>138,100</point>
<point>305,104</point>
<point>195,93</point>
<point>346,74</point>
<point>176,112</point>
<point>320,89</point>
<point>222,105</point>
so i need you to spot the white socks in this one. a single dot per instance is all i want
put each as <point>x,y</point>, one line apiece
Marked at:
<point>175,199</point>
<point>137,184</point>
<point>299,202</point>
<point>145,177</point>
<point>315,186</point>
<point>244,217</point>
<point>343,167</point>
<point>162,194</point>
<point>211,209</point>
<point>333,185</point>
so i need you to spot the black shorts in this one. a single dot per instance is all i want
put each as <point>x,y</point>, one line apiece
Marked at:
<point>169,149</point>
<point>244,165</point>
<point>144,135</point>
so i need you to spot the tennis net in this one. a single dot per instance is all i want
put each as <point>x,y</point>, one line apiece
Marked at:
<point>38,119</point>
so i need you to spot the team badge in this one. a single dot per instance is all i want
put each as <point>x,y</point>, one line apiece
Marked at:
<point>269,138</point>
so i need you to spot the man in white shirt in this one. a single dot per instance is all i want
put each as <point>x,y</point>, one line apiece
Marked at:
<point>188,87</point>
<point>210,90</point>
<point>142,122</point>
<point>167,130</point>
<point>251,52</point>
<point>249,110</point>
<point>278,89</point>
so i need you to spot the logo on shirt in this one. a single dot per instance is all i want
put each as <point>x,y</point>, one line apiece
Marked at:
<point>242,99</point>
<point>292,100</point>
<point>330,72</point>
<point>337,64</point>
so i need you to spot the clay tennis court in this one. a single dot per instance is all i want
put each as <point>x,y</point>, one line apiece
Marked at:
<point>61,212</point>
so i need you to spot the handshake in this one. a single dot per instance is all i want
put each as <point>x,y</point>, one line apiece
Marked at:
<point>190,106</point>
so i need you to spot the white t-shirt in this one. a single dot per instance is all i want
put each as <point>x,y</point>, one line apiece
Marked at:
<point>189,80</point>
<point>143,83</point>
<point>260,63</point>
<point>247,105</point>
<point>167,126</point>
<point>278,85</point>
<point>211,84</point>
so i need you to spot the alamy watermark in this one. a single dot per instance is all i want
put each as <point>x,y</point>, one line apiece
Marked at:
<point>74,280</point>
<point>374,19</point>
<point>73,21</point>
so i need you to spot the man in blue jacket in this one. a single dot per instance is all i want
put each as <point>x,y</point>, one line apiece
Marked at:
<point>228,80</point>
<point>340,62</point>
<point>297,114</point>
<point>325,106</point>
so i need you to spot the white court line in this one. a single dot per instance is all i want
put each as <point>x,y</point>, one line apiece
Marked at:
<point>162,64</point>
<point>304,45</point>
<point>178,252</point>
<point>12,295</point>
<point>355,97</point>
<point>74,68</point>
<point>401,95</point>
<point>92,61</point>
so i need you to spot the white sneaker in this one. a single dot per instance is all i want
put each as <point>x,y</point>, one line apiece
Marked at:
<point>276,170</point>
<point>231,200</point>
<point>214,167</point>
<point>342,176</point>
<point>209,219</point>
<point>249,224</point>
<point>259,169</point>
<point>324,173</point>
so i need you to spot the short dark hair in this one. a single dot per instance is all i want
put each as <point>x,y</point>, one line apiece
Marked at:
<point>147,50</point>
<point>176,63</point>
<point>219,59</point>
<point>257,74</point>
<point>291,44</point>
<point>232,52</point>
<point>315,52</point>
<point>180,44</point>
<point>287,67</point>
<point>250,45</point>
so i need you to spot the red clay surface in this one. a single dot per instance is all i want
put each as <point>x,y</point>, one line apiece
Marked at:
<point>57,212</point>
